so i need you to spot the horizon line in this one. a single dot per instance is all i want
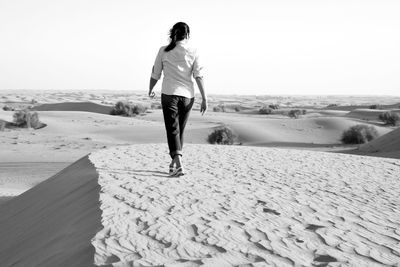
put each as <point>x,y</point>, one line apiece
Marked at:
<point>197,93</point>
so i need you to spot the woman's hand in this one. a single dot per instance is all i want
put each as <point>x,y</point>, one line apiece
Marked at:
<point>151,86</point>
<point>152,94</point>
<point>203,106</point>
<point>200,84</point>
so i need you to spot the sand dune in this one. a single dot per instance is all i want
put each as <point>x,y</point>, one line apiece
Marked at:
<point>270,130</point>
<point>367,114</point>
<point>365,106</point>
<point>72,134</point>
<point>52,224</point>
<point>75,106</point>
<point>246,206</point>
<point>334,113</point>
<point>236,205</point>
<point>389,142</point>
<point>324,130</point>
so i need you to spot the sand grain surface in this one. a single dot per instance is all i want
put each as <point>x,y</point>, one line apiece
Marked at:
<point>246,205</point>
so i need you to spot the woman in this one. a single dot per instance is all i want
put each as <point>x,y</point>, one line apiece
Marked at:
<point>179,62</point>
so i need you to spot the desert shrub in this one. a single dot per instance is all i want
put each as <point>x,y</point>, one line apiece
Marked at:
<point>359,134</point>
<point>265,110</point>
<point>273,106</point>
<point>2,125</point>
<point>332,105</point>
<point>222,136</point>
<point>126,109</point>
<point>295,113</point>
<point>219,108</point>
<point>237,108</point>
<point>26,118</point>
<point>375,106</point>
<point>138,109</point>
<point>120,108</point>
<point>156,106</point>
<point>390,118</point>
<point>8,108</point>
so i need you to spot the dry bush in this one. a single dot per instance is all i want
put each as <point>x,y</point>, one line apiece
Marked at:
<point>265,110</point>
<point>8,108</point>
<point>156,106</point>
<point>219,108</point>
<point>222,136</point>
<point>126,109</point>
<point>138,109</point>
<point>359,134</point>
<point>295,113</point>
<point>237,108</point>
<point>26,118</point>
<point>375,106</point>
<point>273,106</point>
<point>390,118</point>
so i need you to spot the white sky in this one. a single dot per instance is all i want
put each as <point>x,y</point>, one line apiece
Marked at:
<point>247,46</point>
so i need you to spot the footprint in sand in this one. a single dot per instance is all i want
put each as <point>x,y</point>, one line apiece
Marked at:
<point>271,211</point>
<point>313,227</point>
<point>323,260</point>
<point>267,210</point>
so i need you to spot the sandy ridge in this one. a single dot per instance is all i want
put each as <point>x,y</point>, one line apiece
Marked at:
<point>246,205</point>
<point>52,223</point>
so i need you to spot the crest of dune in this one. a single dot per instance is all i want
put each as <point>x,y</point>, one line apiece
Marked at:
<point>75,106</point>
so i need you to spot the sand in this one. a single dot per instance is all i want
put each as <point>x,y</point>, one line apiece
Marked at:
<point>246,205</point>
<point>270,130</point>
<point>52,223</point>
<point>368,114</point>
<point>387,146</point>
<point>75,106</point>
<point>75,129</point>
<point>236,205</point>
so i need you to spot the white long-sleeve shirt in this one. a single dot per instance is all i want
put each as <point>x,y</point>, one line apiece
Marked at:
<point>179,65</point>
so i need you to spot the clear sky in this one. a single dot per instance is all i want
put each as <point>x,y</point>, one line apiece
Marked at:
<point>247,46</point>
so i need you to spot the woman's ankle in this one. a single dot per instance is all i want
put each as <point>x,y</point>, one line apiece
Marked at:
<point>172,162</point>
<point>178,161</point>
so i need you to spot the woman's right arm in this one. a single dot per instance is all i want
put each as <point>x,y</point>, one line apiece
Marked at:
<point>200,84</point>
<point>156,72</point>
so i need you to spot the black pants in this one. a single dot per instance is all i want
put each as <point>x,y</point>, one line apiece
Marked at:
<point>176,111</point>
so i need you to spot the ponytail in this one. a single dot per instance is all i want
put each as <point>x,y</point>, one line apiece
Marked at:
<point>178,32</point>
<point>172,44</point>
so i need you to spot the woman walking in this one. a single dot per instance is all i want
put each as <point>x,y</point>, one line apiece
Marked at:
<point>179,62</point>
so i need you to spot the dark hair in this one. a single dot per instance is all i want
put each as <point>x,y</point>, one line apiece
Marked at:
<point>178,32</point>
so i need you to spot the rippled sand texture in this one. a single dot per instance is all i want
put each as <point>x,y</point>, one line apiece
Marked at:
<point>247,205</point>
